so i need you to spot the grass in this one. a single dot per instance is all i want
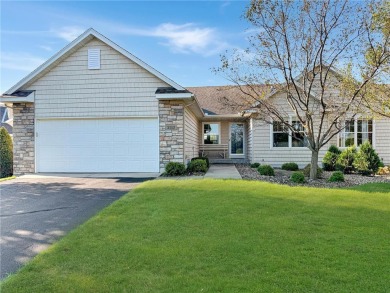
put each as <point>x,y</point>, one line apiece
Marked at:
<point>222,236</point>
<point>7,178</point>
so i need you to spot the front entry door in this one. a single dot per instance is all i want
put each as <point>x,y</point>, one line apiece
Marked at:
<point>237,140</point>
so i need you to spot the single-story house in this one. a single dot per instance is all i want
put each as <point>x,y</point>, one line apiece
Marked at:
<point>94,107</point>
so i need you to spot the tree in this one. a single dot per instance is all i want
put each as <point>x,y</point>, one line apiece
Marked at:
<point>6,155</point>
<point>295,49</point>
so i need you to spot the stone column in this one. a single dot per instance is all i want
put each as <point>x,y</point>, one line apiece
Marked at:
<point>171,114</point>
<point>24,138</point>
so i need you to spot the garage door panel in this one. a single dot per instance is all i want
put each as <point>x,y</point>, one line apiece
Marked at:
<point>97,145</point>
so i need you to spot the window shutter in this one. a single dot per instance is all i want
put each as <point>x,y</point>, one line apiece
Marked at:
<point>93,58</point>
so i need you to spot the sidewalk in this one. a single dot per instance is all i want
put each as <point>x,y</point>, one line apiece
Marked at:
<point>223,171</point>
<point>217,171</point>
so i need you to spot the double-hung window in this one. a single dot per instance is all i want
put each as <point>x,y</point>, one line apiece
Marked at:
<point>356,132</point>
<point>282,136</point>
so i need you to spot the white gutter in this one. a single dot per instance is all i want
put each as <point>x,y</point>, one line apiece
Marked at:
<point>13,99</point>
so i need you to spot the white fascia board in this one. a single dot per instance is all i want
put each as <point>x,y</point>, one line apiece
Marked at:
<point>12,99</point>
<point>78,40</point>
<point>172,96</point>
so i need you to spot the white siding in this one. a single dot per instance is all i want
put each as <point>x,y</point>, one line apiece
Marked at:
<point>191,135</point>
<point>120,88</point>
<point>382,139</point>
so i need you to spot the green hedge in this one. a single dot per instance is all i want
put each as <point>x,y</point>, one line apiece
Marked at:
<point>6,154</point>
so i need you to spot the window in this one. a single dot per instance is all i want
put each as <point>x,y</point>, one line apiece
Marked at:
<point>356,132</point>
<point>211,133</point>
<point>280,134</point>
<point>283,137</point>
<point>298,138</point>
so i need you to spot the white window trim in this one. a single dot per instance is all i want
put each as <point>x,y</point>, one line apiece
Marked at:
<point>219,131</point>
<point>290,147</point>
<point>244,141</point>
<point>4,114</point>
<point>356,132</point>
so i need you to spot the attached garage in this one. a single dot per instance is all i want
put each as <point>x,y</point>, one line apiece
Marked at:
<point>97,145</point>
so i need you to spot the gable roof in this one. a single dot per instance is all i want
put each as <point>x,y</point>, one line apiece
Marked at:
<point>224,100</point>
<point>75,45</point>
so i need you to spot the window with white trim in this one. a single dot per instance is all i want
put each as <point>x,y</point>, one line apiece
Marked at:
<point>211,133</point>
<point>282,136</point>
<point>356,132</point>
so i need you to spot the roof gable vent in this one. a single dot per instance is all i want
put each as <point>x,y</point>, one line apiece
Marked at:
<point>93,58</point>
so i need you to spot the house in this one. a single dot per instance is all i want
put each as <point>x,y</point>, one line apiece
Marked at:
<point>94,107</point>
<point>6,117</point>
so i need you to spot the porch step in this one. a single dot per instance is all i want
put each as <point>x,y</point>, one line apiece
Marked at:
<point>228,161</point>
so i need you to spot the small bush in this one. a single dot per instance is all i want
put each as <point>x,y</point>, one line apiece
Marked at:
<point>266,170</point>
<point>175,169</point>
<point>330,159</point>
<point>197,166</point>
<point>366,160</point>
<point>297,177</point>
<point>255,165</point>
<point>202,158</point>
<point>6,154</point>
<point>306,171</point>
<point>337,176</point>
<point>345,161</point>
<point>290,166</point>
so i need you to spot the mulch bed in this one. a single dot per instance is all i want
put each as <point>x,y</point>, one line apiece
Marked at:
<point>283,177</point>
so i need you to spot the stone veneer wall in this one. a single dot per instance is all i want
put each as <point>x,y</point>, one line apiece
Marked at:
<point>171,114</point>
<point>24,138</point>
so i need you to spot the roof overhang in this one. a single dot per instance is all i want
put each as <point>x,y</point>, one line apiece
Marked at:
<point>174,96</point>
<point>10,99</point>
<point>238,116</point>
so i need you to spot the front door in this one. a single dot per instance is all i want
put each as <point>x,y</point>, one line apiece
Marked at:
<point>237,140</point>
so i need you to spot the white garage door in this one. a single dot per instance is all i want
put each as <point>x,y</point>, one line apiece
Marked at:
<point>97,145</point>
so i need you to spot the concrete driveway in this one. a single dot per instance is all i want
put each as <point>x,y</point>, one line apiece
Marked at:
<point>35,212</point>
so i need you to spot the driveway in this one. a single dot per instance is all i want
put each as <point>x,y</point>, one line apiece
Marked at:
<point>35,212</point>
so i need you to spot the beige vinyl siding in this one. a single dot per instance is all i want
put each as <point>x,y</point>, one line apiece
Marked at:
<point>264,153</point>
<point>191,135</point>
<point>249,139</point>
<point>121,88</point>
<point>382,139</point>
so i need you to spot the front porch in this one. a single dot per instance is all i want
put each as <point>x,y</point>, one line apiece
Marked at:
<point>224,141</point>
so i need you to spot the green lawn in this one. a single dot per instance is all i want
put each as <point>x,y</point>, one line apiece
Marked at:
<point>222,236</point>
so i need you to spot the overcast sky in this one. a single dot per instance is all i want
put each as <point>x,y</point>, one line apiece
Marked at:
<point>182,39</point>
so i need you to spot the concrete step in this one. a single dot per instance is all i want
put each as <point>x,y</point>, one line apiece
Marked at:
<point>228,161</point>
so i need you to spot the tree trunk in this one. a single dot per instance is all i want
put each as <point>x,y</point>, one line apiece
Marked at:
<point>314,164</point>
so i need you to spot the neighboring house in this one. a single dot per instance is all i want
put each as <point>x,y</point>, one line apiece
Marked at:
<point>94,107</point>
<point>6,115</point>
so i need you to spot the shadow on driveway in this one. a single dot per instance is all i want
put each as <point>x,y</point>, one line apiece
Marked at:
<point>34,213</point>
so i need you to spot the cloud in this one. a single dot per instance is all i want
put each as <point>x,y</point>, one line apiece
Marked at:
<point>46,48</point>
<point>20,61</point>
<point>68,33</point>
<point>183,38</point>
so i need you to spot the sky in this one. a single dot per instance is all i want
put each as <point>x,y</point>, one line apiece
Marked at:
<point>181,39</point>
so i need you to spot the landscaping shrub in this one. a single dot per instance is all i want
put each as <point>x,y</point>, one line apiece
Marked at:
<point>297,177</point>
<point>197,166</point>
<point>175,169</point>
<point>330,159</point>
<point>306,171</point>
<point>204,159</point>
<point>255,165</point>
<point>366,160</point>
<point>345,161</point>
<point>290,166</point>
<point>337,176</point>
<point>6,155</point>
<point>266,170</point>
